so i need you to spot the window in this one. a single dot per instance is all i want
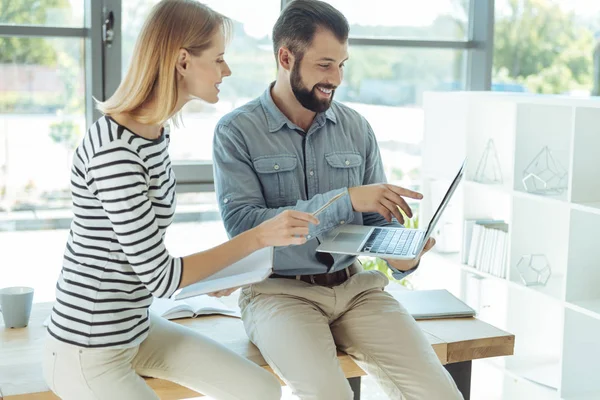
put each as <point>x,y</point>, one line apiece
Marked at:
<point>549,47</point>
<point>56,13</point>
<point>42,103</point>
<point>53,59</point>
<point>249,55</point>
<point>397,55</point>
<point>386,86</point>
<point>42,117</point>
<point>431,20</point>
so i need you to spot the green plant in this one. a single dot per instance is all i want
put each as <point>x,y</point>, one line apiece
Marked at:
<point>66,133</point>
<point>377,264</point>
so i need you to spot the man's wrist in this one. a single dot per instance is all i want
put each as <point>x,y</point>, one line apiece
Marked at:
<point>401,274</point>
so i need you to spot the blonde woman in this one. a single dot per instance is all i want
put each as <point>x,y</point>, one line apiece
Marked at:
<point>102,339</point>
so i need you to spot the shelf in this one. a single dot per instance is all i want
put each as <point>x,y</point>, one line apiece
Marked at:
<point>453,260</point>
<point>510,384</point>
<point>586,163</point>
<point>543,134</point>
<point>583,278</point>
<point>559,199</point>
<point>498,188</point>
<point>581,352</point>
<point>541,228</point>
<point>487,123</point>
<point>542,371</point>
<point>593,208</point>
<point>590,308</point>
<point>589,396</point>
<point>475,271</point>
<point>552,289</point>
<point>503,189</point>
<point>557,342</point>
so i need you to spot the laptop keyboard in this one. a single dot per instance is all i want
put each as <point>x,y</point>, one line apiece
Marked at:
<point>391,241</point>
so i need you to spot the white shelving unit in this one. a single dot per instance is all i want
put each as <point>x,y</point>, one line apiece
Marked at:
<point>556,325</point>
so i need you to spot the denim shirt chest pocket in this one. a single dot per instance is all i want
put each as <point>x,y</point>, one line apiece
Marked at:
<point>278,178</point>
<point>345,169</point>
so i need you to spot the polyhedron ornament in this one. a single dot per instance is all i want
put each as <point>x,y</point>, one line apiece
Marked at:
<point>534,269</point>
<point>545,175</point>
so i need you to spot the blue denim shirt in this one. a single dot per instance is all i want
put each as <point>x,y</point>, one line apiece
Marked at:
<point>265,164</point>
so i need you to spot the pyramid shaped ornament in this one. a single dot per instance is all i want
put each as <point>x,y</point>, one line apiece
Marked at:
<point>488,169</point>
<point>544,175</point>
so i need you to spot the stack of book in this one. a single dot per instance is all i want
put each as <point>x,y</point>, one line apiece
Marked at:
<point>485,245</point>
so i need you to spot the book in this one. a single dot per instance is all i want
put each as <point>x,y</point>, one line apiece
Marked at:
<point>484,245</point>
<point>431,304</point>
<point>252,269</point>
<point>191,308</point>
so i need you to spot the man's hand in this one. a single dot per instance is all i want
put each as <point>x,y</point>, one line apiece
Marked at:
<point>383,199</point>
<point>223,293</point>
<point>405,265</point>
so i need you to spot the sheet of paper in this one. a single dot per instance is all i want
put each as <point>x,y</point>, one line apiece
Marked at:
<point>254,268</point>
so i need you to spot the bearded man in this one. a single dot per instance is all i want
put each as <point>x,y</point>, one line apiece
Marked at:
<point>296,148</point>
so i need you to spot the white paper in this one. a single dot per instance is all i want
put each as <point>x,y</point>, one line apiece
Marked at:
<point>251,269</point>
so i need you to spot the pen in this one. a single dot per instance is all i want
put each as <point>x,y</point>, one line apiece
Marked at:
<point>330,202</point>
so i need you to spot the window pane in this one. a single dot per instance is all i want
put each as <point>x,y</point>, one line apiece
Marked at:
<point>63,13</point>
<point>42,119</point>
<point>432,19</point>
<point>549,47</point>
<point>386,86</point>
<point>249,55</point>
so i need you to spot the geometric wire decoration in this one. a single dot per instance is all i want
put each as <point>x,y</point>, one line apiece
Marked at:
<point>545,175</point>
<point>488,169</point>
<point>534,269</point>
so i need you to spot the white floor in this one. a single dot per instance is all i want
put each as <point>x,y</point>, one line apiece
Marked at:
<point>33,258</point>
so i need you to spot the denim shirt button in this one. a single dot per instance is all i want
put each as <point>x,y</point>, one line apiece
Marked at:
<point>342,222</point>
<point>308,236</point>
<point>226,201</point>
<point>347,162</point>
<point>276,167</point>
<point>311,172</point>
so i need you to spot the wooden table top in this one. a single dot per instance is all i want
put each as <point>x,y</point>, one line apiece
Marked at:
<point>453,339</point>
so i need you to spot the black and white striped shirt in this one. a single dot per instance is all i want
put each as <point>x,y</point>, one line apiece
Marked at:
<point>115,260</point>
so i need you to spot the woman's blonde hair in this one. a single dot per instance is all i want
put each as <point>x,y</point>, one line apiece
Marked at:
<point>172,25</point>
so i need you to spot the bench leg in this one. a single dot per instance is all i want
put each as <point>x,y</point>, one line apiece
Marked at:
<point>461,373</point>
<point>355,386</point>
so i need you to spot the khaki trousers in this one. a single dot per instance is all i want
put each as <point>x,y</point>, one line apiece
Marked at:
<point>171,351</point>
<point>297,327</point>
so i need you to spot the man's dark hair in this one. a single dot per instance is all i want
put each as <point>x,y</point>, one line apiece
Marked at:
<point>296,26</point>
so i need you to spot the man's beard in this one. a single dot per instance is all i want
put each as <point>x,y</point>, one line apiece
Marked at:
<point>309,98</point>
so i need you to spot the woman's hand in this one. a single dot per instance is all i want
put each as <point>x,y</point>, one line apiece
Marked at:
<point>287,228</point>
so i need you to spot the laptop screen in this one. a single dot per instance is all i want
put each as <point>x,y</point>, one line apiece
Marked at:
<point>446,200</point>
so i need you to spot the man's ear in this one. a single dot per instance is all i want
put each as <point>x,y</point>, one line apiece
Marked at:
<point>285,58</point>
<point>183,59</point>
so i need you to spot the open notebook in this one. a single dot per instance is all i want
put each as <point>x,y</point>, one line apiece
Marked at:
<point>174,309</point>
<point>429,304</point>
<point>190,308</point>
<point>251,269</point>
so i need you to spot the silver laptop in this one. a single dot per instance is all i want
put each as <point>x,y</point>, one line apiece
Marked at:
<point>385,242</point>
<point>430,304</point>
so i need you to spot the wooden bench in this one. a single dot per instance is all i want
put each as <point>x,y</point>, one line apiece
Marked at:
<point>456,341</point>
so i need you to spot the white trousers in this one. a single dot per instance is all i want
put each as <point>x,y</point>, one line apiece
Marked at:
<point>172,352</point>
<point>297,327</point>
